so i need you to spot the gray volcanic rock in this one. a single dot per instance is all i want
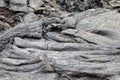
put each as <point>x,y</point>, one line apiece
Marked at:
<point>18,5</point>
<point>79,46</point>
<point>36,4</point>
<point>30,17</point>
<point>105,21</point>
<point>115,3</point>
<point>2,3</point>
<point>101,29</point>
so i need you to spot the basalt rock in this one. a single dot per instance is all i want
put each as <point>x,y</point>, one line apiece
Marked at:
<point>80,46</point>
<point>2,3</point>
<point>30,17</point>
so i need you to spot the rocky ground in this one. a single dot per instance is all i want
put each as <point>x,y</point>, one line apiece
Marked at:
<point>13,12</point>
<point>59,40</point>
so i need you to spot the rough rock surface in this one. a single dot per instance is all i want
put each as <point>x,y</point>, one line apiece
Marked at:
<point>36,4</point>
<point>54,40</point>
<point>47,8</point>
<point>80,46</point>
<point>18,5</point>
<point>2,3</point>
<point>30,17</point>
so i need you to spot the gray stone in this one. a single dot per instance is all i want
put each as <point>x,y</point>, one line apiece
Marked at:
<point>88,78</point>
<point>30,17</point>
<point>18,1</point>
<point>36,4</point>
<point>115,3</point>
<point>69,22</point>
<point>31,41</point>
<point>18,5</point>
<point>105,21</point>
<point>4,26</point>
<point>27,76</point>
<point>116,77</point>
<point>2,3</point>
